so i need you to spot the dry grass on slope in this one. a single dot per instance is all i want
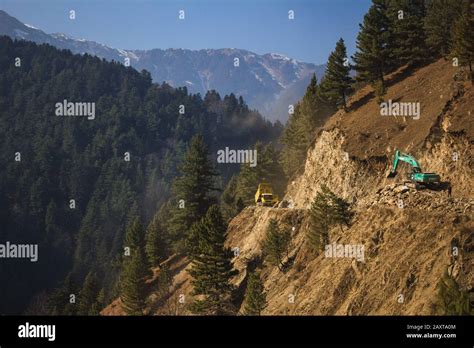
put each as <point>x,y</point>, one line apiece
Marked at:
<point>368,134</point>
<point>406,252</point>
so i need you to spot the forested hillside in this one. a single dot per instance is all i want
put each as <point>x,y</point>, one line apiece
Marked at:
<point>71,184</point>
<point>268,82</point>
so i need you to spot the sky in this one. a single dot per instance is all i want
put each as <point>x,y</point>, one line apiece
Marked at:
<point>261,26</point>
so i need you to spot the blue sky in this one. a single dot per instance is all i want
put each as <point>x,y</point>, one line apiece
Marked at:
<point>261,26</point>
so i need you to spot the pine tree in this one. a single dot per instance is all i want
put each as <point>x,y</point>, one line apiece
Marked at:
<point>249,177</point>
<point>463,38</point>
<point>70,288</point>
<point>231,203</point>
<point>99,303</point>
<point>135,241</point>
<point>326,210</point>
<point>408,35</point>
<point>164,281</point>
<point>275,244</point>
<point>374,47</point>
<point>193,239</point>
<point>51,220</point>
<point>310,103</point>
<point>88,296</point>
<point>155,244</point>
<point>450,300</point>
<point>132,292</point>
<point>59,303</point>
<point>134,235</point>
<point>336,84</point>
<point>135,269</point>
<point>340,212</point>
<point>211,267</point>
<point>294,142</point>
<point>255,295</point>
<point>192,190</point>
<point>165,217</point>
<point>439,21</point>
<point>309,113</point>
<point>320,220</point>
<point>314,108</point>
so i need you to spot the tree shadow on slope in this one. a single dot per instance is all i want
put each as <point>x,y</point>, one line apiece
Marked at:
<point>238,296</point>
<point>392,79</point>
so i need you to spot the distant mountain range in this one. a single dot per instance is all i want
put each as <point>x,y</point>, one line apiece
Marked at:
<point>268,83</point>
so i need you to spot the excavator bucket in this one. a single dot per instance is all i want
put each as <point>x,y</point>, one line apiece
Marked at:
<point>391,175</point>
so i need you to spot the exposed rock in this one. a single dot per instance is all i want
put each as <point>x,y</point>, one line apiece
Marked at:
<point>401,189</point>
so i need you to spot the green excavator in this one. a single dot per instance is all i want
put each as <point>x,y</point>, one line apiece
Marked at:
<point>416,176</point>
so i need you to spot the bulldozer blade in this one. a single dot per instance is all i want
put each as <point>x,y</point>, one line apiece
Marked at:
<point>391,175</point>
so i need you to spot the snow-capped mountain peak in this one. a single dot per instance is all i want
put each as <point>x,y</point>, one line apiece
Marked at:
<point>267,82</point>
<point>30,26</point>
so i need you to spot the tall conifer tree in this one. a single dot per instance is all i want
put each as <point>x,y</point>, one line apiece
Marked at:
<point>132,292</point>
<point>231,201</point>
<point>211,266</point>
<point>320,220</point>
<point>255,295</point>
<point>135,269</point>
<point>88,296</point>
<point>135,241</point>
<point>439,22</point>
<point>192,191</point>
<point>373,58</point>
<point>59,302</point>
<point>276,243</point>
<point>409,39</point>
<point>336,84</point>
<point>326,210</point>
<point>155,242</point>
<point>463,38</point>
<point>134,234</point>
<point>309,113</point>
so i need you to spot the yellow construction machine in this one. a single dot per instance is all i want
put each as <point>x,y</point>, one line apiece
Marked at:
<point>265,196</point>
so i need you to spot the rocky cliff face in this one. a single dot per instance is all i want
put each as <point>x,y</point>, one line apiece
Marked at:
<point>401,238</point>
<point>405,252</point>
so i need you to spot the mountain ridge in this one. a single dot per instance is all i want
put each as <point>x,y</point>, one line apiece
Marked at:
<point>265,81</point>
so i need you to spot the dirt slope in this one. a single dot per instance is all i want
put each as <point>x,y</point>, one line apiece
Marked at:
<point>353,152</point>
<point>441,92</point>
<point>406,250</point>
<point>406,247</point>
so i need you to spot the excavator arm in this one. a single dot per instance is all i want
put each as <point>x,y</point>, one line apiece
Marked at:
<point>404,158</point>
